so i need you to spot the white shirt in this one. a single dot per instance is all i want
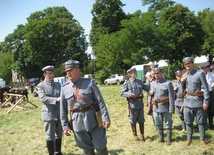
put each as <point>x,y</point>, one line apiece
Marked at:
<point>210,80</point>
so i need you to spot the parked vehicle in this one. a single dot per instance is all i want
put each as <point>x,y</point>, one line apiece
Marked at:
<point>141,71</point>
<point>114,79</point>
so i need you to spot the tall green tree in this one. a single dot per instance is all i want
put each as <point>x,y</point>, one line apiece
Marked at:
<point>54,36</point>
<point>5,67</point>
<point>107,15</point>
<point>51,36</point>
<point>13,45</point>
<point>158,5</point>
<point>206,18</point>
<point>180,34</point>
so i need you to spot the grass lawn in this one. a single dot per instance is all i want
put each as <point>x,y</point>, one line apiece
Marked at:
<point>22,132</point>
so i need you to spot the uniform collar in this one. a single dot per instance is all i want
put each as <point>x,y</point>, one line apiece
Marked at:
<point>76,83</point>
<point>48,81</point>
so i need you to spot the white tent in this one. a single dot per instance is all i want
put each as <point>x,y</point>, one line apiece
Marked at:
<point>200,59</point>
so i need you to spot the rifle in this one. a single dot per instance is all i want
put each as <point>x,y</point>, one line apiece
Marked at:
<point>150,111</point>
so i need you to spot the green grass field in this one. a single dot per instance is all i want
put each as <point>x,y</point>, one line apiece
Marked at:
<point>22,132</point>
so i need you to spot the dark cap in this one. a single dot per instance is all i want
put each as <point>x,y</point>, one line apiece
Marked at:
<point>48,68</point>
<point>205,64</point>
<point>154,66</point>
<point>178,72</point>
<point>158,69</point>
<point>72,63</point>
<point>133,69</point>
<point>188,59</point>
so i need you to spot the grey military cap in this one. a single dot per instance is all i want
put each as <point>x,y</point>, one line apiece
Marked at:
<point>158,69</point>
<point>205,64</point>
<point>188,59</point>
<point>178,72</point>
<point>132,69</point>
<point>48,68</point>
<point>72,63</point>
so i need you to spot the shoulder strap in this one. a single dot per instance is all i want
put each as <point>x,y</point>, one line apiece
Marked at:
<point>75,91</point>
<point>80,97</point>
<point>129,83</point>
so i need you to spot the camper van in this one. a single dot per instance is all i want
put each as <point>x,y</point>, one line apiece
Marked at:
<point>61,80</point>
<point>141,71</point>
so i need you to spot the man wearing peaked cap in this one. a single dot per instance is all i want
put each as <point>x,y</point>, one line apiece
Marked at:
<point>195,102</point>
<point>83,99</point>
<point>205,67</point>
<point>179,87</point>
<point>163,105</point>
<point>133,91</point>
<point>49,94</point>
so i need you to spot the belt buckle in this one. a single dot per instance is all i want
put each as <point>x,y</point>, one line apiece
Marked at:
<point>81,110</point>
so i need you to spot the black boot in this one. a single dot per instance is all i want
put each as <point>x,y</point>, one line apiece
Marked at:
<point>102,152</point>
<point>58,143</point>
<point>169,136</point>
<point>210,120</point>
<point>50,146</point>
<point>161,136</point>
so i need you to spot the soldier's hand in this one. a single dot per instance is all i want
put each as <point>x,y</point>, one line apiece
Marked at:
<point>133,95</point>
<point>67,132</point>
<point>57,100</point>
<point>151,92</point>
<point>205,106</point>
<point>183,79</point>
<point>171,112</point>
<point>175,88</point>
<point>106,124</point>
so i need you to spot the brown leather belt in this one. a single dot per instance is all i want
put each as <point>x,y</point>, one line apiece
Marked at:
<point>163,100</point>
<point>82,109</point>
<point>196,93</point>
<point>179,96</point>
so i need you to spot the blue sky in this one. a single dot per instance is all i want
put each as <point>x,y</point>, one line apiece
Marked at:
<point>15,12</point>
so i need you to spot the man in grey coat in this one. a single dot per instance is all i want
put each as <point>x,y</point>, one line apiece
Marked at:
<point>49,94</point>
<point>195,102</point>
<point>133,91</point>
<point>163,105</point>
<point>179,87</point>
<point>81,98</point>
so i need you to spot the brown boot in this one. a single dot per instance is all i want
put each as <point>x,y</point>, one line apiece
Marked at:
<point>141,125</point>
<point>188,142</point>
<point>134,131</point>
<point>203,143</point>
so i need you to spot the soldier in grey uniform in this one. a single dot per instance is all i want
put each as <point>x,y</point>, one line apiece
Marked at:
<point>163,105</point>
<point>205,67</point>
<point>195,103</point>
<point>81,98</point>
<point>179,87</point>
<point>132,90</point>
<point>49,94</point>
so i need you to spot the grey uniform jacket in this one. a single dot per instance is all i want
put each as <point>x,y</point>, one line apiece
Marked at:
<point>196,79</point>
<point>82,121</point>
<point>163,88</point>
<point>134,86</point>
<point>48,93</point>
<point>179,92</point>
<point>151,87</point>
